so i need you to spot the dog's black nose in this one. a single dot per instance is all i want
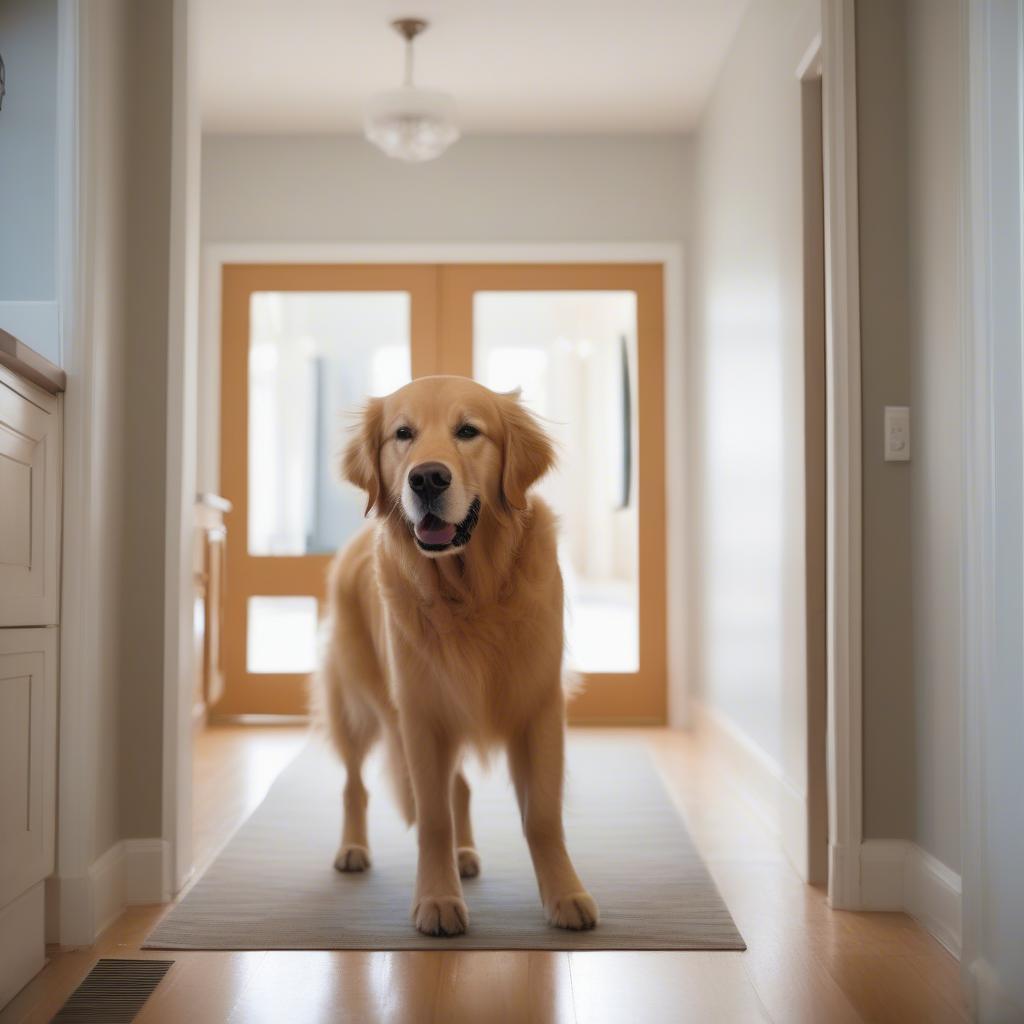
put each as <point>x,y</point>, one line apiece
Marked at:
<point>429,479</point>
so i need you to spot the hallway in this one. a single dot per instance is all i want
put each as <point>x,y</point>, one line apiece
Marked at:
<point>805,963</point>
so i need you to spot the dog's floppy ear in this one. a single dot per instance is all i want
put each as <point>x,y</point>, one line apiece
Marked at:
<point>527,451</point>
<point>360,461</point>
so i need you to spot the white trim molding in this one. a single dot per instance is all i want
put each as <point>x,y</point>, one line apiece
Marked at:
<point>132,871</point>
<point>897,874</point>
<point>182,389</point>
<point>843,530</point>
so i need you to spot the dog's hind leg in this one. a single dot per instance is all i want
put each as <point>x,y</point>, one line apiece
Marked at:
<point>354,735</point>
<point>465,848</point>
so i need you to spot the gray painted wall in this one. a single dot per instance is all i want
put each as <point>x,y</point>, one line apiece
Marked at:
<point>28,151</point>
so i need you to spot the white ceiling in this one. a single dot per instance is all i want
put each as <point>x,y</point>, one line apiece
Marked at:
<point>513,65</point>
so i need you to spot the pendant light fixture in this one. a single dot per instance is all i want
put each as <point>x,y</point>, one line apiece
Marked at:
<point>410,123</point>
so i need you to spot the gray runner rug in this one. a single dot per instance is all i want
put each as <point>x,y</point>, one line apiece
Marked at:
<point>274,887</point>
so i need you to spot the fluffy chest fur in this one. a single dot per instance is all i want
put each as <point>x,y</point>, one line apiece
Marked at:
<point>475,641</point>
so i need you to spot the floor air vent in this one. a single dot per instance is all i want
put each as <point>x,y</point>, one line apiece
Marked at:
<point>113,991</point>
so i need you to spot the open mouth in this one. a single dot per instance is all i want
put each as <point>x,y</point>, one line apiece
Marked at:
<point>435,534</point>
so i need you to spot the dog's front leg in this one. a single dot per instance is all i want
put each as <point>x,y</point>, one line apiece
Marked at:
<point>536,763</point>
<point>438,908</point>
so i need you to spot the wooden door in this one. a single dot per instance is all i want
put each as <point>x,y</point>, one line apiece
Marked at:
<point>612,314</point>
<point>303,317</point>
<point>525,307</point>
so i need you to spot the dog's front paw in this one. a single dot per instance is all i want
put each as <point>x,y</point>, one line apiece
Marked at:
<point>575,910</point>
<point>440,915</point>
<point>469,862</point>
<point>352,858</point>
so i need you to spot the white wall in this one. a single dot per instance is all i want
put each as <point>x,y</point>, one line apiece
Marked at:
<point>485,189</point>
<point>745,373</point>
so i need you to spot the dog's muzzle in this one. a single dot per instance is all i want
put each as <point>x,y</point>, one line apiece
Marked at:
<point>434,534</point>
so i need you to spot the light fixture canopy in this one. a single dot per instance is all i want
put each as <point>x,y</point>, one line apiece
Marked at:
<point>410,123</point>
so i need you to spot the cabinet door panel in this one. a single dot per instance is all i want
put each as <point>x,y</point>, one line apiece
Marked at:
<point>28,759</point>
<point>29,503</point>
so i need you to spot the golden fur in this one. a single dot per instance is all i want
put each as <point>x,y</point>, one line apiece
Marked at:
<point>432,651</point>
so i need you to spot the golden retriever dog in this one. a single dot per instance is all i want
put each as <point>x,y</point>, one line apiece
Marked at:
<point>445,633</point>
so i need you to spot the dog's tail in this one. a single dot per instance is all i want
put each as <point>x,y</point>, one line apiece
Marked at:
<point>398,774</point>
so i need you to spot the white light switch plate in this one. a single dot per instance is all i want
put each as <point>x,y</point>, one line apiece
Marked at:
<point>897,433</point>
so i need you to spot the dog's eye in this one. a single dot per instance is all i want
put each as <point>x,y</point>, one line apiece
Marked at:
<point>466,431</point>
<point>403,434</point>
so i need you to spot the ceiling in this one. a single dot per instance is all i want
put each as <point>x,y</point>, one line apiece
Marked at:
<point>546,66</point>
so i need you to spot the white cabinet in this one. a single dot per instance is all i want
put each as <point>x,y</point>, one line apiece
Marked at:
<point>30,514</point>
<point>30,455</point>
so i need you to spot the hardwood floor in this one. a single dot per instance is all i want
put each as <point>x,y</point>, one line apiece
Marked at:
<point>805,963</point>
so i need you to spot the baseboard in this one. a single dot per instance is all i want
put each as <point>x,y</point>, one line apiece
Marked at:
<point>761,782</point>
<point>147,875</point>
<point>883,874</point>
<point>896,874</point>
<point>132,871</point>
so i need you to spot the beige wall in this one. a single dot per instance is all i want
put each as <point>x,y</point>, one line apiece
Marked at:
<point>746,401</point>
<point>116,387</point>
<point>935,185</point>
<point>882,117</point>
<point>148,201</point>
<point>104,333</point>
<point>910,137</point>
<point>485,189</point>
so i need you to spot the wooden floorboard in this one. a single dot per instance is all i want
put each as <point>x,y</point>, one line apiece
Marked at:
<point>805,964</point>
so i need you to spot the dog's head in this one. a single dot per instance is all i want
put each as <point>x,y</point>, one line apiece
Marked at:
<point>440,451</point>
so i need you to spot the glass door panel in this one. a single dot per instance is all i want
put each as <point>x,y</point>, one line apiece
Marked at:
<point>585,344</point>
<point>302,349</point>
<point>312,357</point>
<point>573,355</point>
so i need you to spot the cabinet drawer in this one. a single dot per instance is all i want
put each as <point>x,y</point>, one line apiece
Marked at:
<point>28,757</point>
<point>30,456</point>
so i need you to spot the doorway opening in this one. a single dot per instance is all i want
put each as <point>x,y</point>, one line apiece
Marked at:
<point>302,344</point>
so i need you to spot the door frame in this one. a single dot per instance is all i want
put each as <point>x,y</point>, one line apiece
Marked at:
<point>441,302</point>
<point>670,255</point>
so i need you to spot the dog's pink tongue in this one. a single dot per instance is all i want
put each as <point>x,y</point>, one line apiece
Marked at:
<point>432,530</point>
